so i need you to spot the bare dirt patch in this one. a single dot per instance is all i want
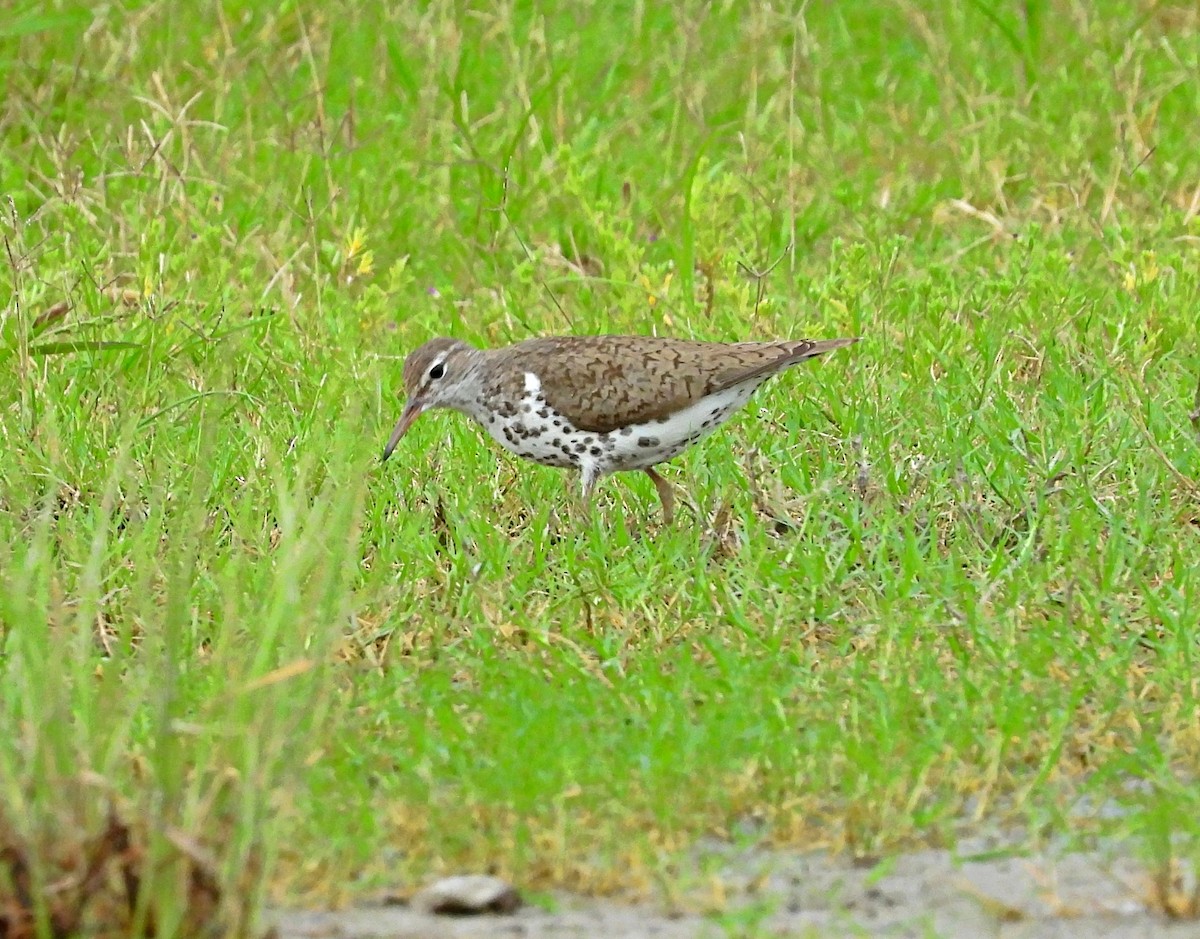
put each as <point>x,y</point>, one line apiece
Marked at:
<point>927,893</point>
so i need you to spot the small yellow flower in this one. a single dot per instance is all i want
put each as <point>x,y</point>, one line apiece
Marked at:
<point>366,263</point>
<point>1150,268</point>
<point>650,298</point>
<point>651,295</point>
<point>356,242</point>
<point>1144,271</point>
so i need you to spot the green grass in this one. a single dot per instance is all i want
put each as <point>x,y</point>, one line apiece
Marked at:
<point>961,591</point>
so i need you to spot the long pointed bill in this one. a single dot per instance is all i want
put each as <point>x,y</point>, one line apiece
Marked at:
<point>411,412</point>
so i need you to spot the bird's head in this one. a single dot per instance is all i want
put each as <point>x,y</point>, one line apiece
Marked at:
<point>439,374</point>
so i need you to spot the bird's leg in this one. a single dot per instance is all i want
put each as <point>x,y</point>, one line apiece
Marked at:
<point>590,476</point>
<point>665,493</point>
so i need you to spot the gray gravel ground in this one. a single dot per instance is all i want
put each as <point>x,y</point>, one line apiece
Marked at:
<point>924,894</point>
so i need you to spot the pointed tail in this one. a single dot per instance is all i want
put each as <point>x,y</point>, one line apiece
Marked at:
<point>821,346</point>
<point>808,348</point>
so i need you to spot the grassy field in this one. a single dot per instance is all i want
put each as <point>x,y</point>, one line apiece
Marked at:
<point>946,580</point>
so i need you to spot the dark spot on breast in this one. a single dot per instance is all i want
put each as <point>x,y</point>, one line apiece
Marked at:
<point>581,447</point>
<point>626,431</point>
<point>544,414</point>
<point>647,441</point>
<point>596,451</point>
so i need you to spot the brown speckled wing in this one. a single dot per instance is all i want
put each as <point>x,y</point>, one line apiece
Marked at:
<point>601,383</point>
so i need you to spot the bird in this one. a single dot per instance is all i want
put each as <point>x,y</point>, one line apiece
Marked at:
<point>598,404</point>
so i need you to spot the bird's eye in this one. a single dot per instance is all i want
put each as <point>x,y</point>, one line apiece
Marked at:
<point>437,371</point>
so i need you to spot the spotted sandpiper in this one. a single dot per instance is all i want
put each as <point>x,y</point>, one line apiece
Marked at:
<point>598,404</point>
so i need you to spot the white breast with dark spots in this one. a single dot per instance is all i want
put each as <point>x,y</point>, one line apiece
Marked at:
<point>537,432</point>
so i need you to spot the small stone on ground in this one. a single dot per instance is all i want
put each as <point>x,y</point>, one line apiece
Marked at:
<point>467,895</point>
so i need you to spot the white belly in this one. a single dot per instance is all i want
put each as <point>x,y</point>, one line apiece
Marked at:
<point>642,445</point>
